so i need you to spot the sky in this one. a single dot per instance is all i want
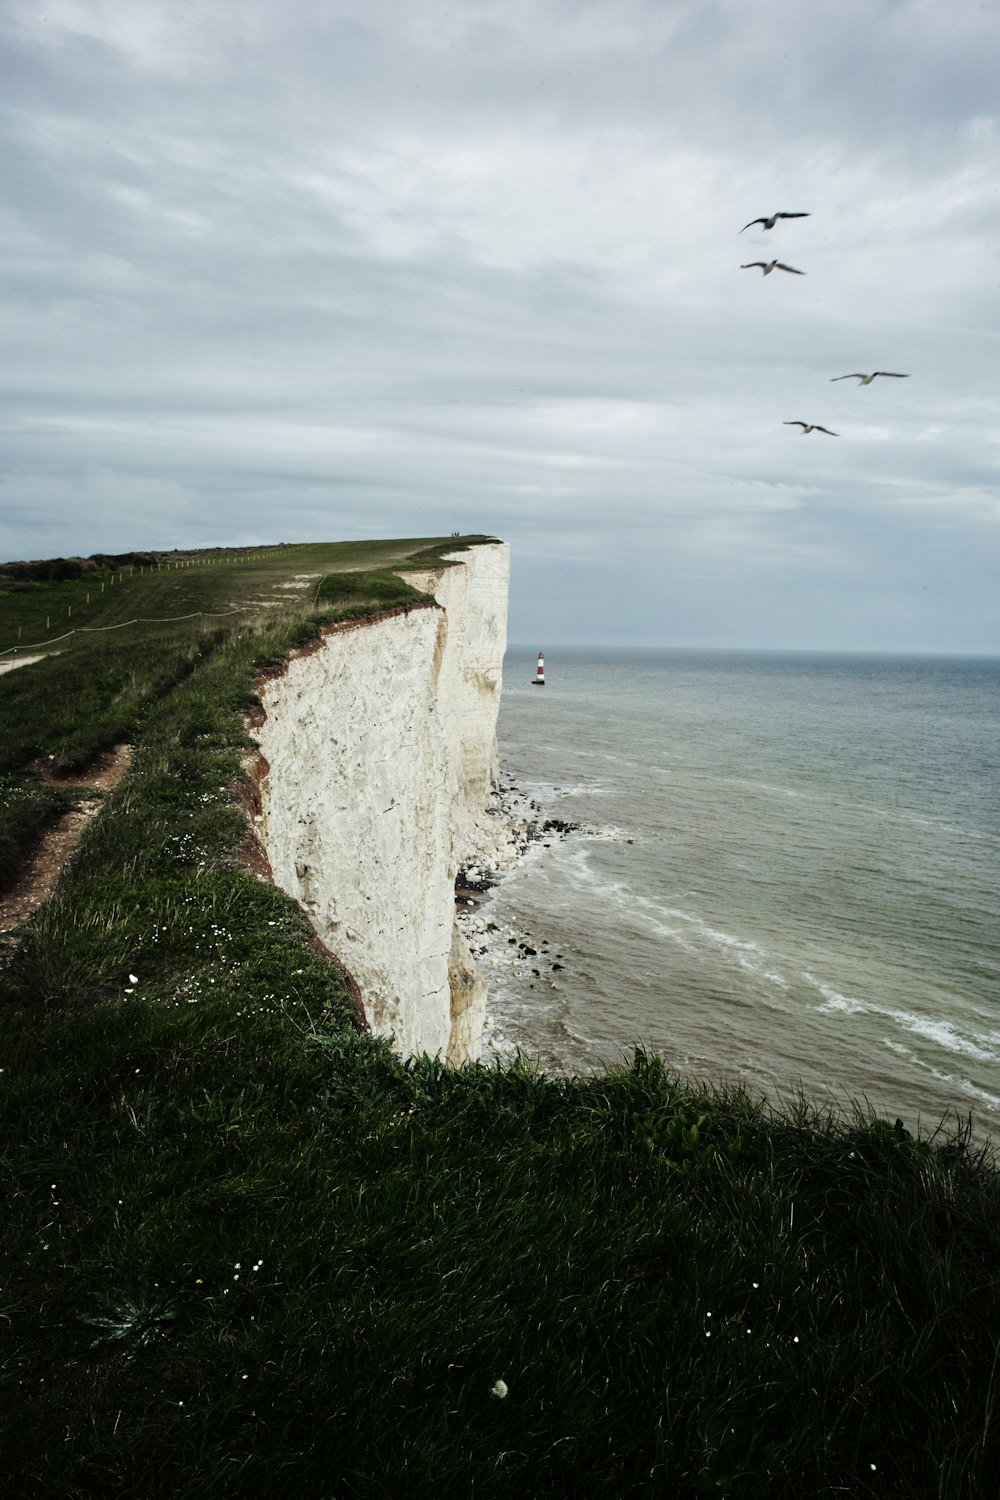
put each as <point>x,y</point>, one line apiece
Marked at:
<point>335,269</point>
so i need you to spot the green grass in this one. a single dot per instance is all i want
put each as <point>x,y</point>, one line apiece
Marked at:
<point>349,590</point>
<point>26,810</point>
<point>250,1251</point>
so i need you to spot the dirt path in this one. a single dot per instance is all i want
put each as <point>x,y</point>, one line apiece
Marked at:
<point>42,869</point>
<point>10,662</point>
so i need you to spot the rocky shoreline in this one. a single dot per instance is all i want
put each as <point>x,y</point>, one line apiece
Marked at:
<point>515,824</point>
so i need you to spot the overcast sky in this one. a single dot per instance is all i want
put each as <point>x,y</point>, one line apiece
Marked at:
<point>329,269</point>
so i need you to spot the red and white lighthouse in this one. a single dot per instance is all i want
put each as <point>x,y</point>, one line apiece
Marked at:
<point>539,678</point>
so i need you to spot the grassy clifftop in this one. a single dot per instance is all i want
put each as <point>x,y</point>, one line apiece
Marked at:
<point>249,1251</point>
<point>116,644</point>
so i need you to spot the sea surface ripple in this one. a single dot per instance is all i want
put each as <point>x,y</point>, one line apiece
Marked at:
<point>786,871</point>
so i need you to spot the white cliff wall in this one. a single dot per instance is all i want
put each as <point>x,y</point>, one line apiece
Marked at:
<point>474,598</point>
<point>379,750</point>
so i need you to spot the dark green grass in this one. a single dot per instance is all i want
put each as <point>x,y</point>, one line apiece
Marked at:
<point>347,590</point>
<point>285,1263</point>
<point>249,1251</point>
<point>26,810</point>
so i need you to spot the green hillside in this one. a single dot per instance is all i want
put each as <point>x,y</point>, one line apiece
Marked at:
<point>248,1251</point>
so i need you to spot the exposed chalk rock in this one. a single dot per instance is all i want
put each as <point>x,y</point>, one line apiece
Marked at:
<point>377,759</point>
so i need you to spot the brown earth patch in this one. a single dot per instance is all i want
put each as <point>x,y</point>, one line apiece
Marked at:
<point>247,793</point>
<point>50,856</point>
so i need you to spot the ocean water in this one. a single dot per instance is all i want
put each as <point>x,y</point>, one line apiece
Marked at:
<point>787,871</point>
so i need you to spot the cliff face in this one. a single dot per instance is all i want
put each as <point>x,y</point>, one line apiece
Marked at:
<point>379,750</point>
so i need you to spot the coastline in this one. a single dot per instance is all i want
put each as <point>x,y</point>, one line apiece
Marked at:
<point>516,825</point>
<point>793,916</point>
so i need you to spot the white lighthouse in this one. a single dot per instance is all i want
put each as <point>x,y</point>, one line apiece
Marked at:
<point>539,678</point>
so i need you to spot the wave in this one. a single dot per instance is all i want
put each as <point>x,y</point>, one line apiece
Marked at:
<point>973,1090</point>
<point>945,1034</point>
<point>835,803</point>
<point>694,935</point>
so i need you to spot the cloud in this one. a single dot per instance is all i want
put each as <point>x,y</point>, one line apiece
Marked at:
<point>334,269</point>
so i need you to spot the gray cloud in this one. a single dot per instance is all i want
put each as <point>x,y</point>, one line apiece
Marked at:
<point>333,269</point>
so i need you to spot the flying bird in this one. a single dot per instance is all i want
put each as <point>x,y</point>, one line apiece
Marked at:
<point>811,427</point>
<point>867,379</point>
<point>770,222</point>
<point>767,266</point>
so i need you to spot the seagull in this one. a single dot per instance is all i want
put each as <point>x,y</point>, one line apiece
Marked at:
<point>767,266</point>
<point>811,427</point>
<point>770,223</point>
<point>867,379</point>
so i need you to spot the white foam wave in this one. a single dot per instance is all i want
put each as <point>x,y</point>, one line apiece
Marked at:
<point>991,1101</point>
<point>833,999</point>
<point>693,934</point>
<point>983,1095</point>
<point>943,1033</point>
<point>582,789</point>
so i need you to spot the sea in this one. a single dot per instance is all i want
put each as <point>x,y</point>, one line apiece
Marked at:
<point>781,868</point>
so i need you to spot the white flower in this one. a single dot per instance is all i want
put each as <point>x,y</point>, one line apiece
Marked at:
<point>133,979</point>
<point>499,1389</point>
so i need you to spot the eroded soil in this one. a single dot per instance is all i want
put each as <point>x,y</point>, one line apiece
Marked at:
<point>45,864</point>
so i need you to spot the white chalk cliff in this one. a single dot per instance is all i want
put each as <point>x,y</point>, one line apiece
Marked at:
<point>377,757</point>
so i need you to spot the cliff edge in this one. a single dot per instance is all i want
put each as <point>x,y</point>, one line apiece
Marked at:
<point>377,755</point>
